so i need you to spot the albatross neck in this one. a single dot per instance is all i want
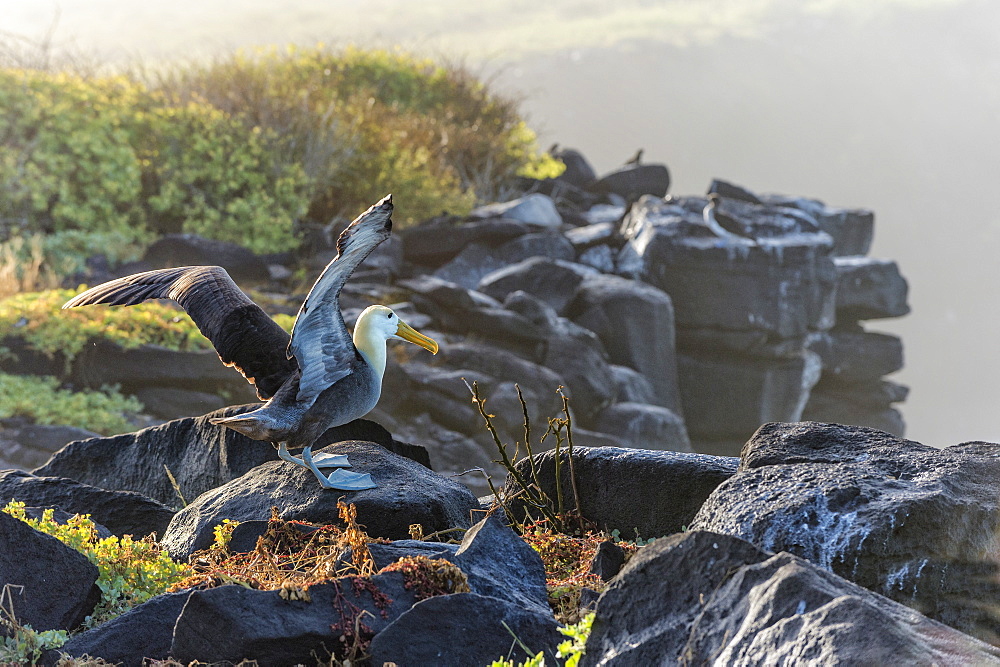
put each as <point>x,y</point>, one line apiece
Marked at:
<point>370,342</point>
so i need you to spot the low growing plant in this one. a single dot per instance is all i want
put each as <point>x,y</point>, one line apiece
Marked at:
<point>40,399</point>
<point>37,318</point>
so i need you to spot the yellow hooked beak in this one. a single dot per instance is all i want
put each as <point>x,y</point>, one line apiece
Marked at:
<point>408,333</point>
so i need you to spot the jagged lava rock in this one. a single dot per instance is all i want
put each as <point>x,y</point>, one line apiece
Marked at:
<point>869,288</point>
<point>653,492</point>
<point>705,598</point>
<point>143,632</point>
<point>534,209</point>
<point>727,396</point>
<point>783,285</point>
<point>407,493</point>
<point>52,587</point>
<point>635,321</point>
<point>199,454</point>
<point>233,623</point>
<point>465,629</point>
<point>121,512</point>
<point>634,180</point>
<point>644,426</point>
<point>911,522</point>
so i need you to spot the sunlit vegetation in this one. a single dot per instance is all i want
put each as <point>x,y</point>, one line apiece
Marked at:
<point>42,400</point>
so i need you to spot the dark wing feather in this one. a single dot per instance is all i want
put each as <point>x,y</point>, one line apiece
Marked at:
<point>243,335</point>
<point>320,340</point>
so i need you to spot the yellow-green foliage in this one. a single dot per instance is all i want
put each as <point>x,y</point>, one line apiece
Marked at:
<point>109,155</point>
<point>367,122</point>
<point>66,161</point>
<point>41,399</point>
<point>571,650</point>
<point>37,318</point>
<point>131,571</point>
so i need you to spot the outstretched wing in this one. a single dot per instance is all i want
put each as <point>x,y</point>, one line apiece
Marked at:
<point>320,340</point>
<point>243,335</point>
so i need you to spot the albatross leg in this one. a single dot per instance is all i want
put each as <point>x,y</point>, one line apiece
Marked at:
<point>322,460</point>
<point>341,480</point>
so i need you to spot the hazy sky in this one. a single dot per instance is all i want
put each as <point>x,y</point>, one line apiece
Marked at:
<point>890,104</point>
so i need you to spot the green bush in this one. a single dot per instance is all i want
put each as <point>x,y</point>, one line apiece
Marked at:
<point>66,161</point>
<point>37,318</point>
<point>366,122</point>
<point>41,399</point>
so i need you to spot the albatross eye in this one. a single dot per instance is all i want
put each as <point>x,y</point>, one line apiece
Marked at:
<point>389,315</point>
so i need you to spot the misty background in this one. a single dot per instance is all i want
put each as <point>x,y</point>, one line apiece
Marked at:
<point>892,105</point>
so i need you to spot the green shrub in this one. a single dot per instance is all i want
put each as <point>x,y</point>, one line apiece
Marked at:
<point>41,399</point>
<point>37,318</point>
<point>366,122</point>
<point>66,161</point>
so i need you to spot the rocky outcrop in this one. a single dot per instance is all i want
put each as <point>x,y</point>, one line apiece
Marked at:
<point>640,493</point>
<point>911,522</point>
<point>704,598</point>
<point>121,512</point>
<point>407,493</point>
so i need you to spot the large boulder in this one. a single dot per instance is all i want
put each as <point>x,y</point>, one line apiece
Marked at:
<point>534,209</point>
<point>634,180</point>
<point>465,629</point>
<point>783,284</point>
<point>856,354</point>
<point>121,512</point>
<point>194,250</point>
<point>869,288</point>
<point>644,426</point>
<point>651,493</point>
<point>233,623</point>
<point>705,598</point>
<point>407,493</point>
<point>26,445</point>
<point>727,396</point>
<point>552,281</point>
<point>635,322</point>
<point>143,633</point>
<point>46,584</point>
<point>433,244</point>
<point>476,261</point>
<point>199,455</point>
<point>914,523</point>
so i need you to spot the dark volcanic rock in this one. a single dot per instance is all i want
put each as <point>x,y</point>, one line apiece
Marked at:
<point>191,250</point>
<point>121,512</point>
<point>107,363</point>
<point>433,245</point>
<point>633,181</point>
<point>748,390</point>
<point>173,403</point>
<point>407,493</point>
<point>783,285</point>
<point>266,627</point>
<point>635,322</point>
<point>655,493</point>
<point>644,426</point>
<point>477,261</point>
<point>534,209</point>
<point>869,288</point>
<point>142,632</point>
<point>552,281</point>
<point>856,354</point>
<point>917,524</point>
<point>199,454</point>
<point>462,630</point>
<point>52,587</point>
<point>704,598</point>
<point>578,170</point>
<point>501,565</point>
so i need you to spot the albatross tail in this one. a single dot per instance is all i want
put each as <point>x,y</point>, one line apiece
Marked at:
<point>257,425</point>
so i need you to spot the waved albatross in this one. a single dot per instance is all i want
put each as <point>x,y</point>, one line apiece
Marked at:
<point>316,379</point>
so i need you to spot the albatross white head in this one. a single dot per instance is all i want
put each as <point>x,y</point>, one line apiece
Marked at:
<point>376,325</point>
